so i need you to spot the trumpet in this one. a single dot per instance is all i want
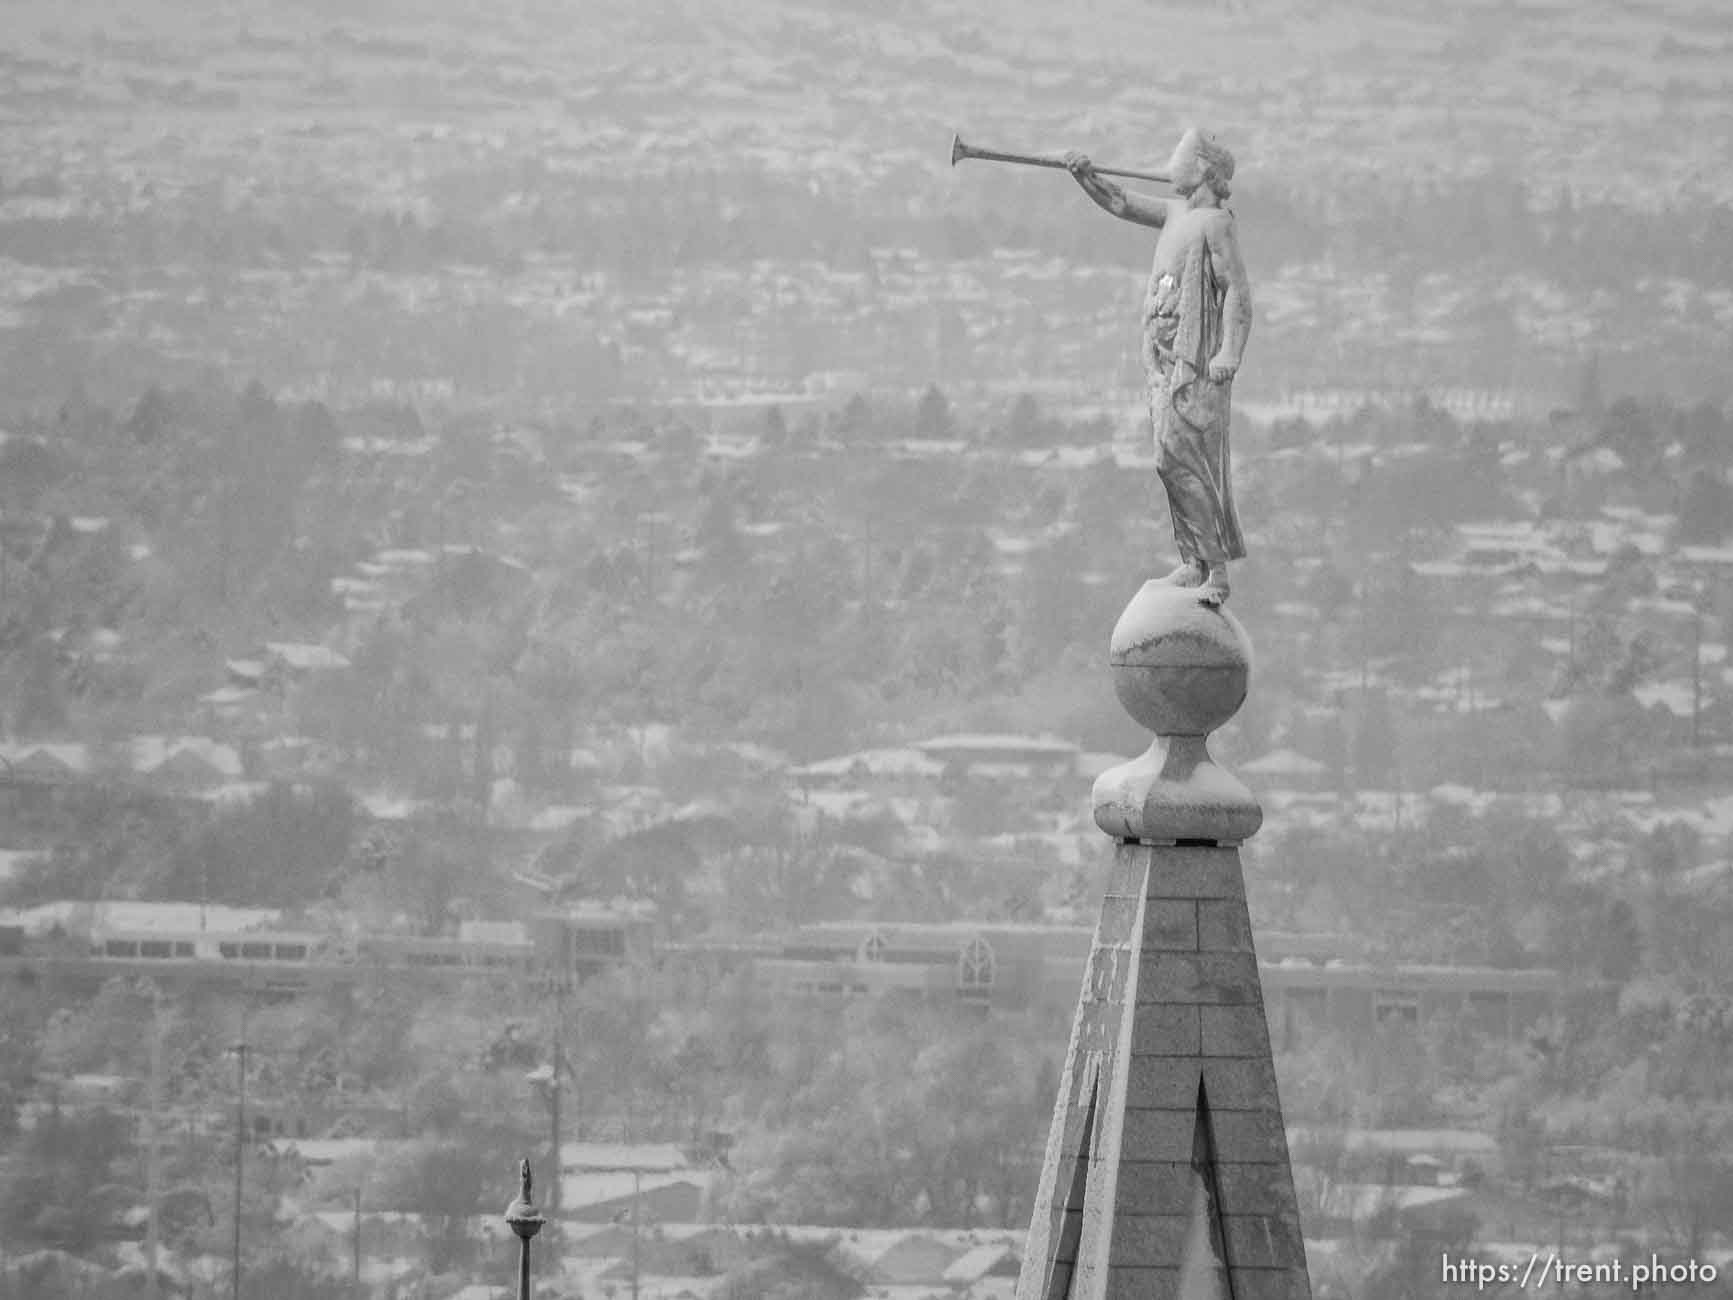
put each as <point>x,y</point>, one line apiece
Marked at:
<point>961,149</point>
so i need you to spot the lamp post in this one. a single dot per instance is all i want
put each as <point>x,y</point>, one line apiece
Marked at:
<point>637,1218</point>
<point>239,1050</point>
<point>525,1220</point>
<point>355,1259</point>
<point>1697,671</point>
<point>547,1079</point>
<point>551,1080</point>
<point>153,1156</point>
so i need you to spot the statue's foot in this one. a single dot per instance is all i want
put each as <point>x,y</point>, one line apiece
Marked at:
<point>1187,575</point>
<point>1214,589</point>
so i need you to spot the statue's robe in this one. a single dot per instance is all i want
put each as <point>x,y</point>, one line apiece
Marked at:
<point>1189,411</point>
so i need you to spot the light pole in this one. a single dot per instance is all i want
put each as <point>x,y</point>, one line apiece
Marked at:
<point>355,1258</point>
<point>1697,672</point>
<point>240,1051</point>
<point>637,1218</point>
<point>552,1078</point>
<point>525,1220</point>
<point>556,1085</point>
<point>153,1155</point>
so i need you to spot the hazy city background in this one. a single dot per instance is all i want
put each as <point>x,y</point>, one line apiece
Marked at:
<point>555,566</point>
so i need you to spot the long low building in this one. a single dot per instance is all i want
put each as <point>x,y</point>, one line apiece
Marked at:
<point>1310,981</point>
<point>187,944</point>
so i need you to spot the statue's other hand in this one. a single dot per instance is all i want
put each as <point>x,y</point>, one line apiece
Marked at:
<point>1221,370</point>
<point>1078,165</point>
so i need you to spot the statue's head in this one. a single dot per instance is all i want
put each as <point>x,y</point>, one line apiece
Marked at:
<point>1200,159</point>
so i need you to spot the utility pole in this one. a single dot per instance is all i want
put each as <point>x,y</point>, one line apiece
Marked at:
<point>637,1219</point>
<point>1364,648</point>
<point>550,976</point>
<point>1573,638</point>
<point>557,1084</point>
<point>240,1051</point>
<point>1697,674</point>
<point>356,1256</point>
<point>153,1156</point>
<point>867,557</point>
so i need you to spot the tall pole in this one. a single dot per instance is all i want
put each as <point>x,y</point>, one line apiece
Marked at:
<point>1365,665</point>
<point>1573,638</point>
<point>153,1156</point>
<point>240,1050</point>
<point>556,1084</point>
<point>637,1217</point>
<point>356,1256</point>
<point>1697,676</point>
<point>240,1158</point>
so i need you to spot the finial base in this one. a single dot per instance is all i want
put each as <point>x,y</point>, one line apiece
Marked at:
<point>1181,669</point>
<point>1174,792</point>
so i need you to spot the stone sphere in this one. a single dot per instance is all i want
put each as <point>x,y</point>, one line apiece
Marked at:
<point>1180,667</point>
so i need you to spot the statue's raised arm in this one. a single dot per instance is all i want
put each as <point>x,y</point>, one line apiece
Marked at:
<point>1143,209</point>
<point>1114,198</point>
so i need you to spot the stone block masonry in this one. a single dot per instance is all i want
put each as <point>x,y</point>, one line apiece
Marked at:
<point>1167,1174</point>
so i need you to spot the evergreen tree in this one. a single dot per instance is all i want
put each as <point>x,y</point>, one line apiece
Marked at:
<point>933,417</point>
<point>39,707</point>
<point>1620,942</point>
<point>151,417</point>
<point>46,1190</point>
<point>856,419</point>
<point>775,431</point>
<point>1024,426</point>
<point>1589,401</point>
<point>1705,508</point>
<point>1374,743</point>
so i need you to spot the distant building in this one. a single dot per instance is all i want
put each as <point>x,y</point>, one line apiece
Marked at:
<point>586,938</point>
<point>1408,1157</point>
<point>898,767</point>
<point>44,763</point>
<point>233,704</point>
<point>661,1198</point>
<point>1291,770</point>
<point>990,754</point>
<point>185,761</point>
<point>190,943</point>
<point>1306,986</point>
<point>1380,1210</point>
<point>467,582</point>
<point>1713,562</point>
<point>1390,1182</point>
<point>164,918</point>
<point>1302,998</point>
<point>295,660</point>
